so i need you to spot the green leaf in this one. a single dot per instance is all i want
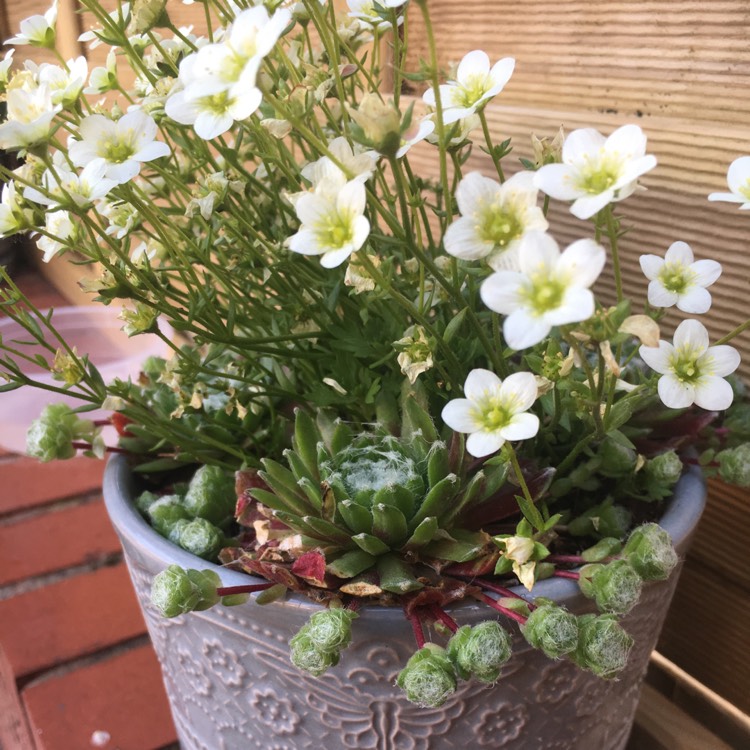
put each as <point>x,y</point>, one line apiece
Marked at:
<point>423,534</point>
<point>276,502</point>
<point>306,438</point>
<point>467,497</point>
<point>356,517</point>
<point>398,497</point>
<point>418,420</point>
<point>327,530</point>
<point>530,512</point>
<point>437,501</point>
<point>438,463</point>
<point>619,414</point>
<point>396,576</point>
<point>602,549</point>
<point>389,524</point>
<point>271,594</point>
<point>298,466</point>
<point>312,490</point>
<point>351,564</point>
<point>455,324</point>
<point>371,544</point>
<point>456,550</point>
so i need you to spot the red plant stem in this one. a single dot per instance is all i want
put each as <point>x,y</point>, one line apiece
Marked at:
<point>353,605</point>
<point>498,589</point>
<point>249,589</point>
<point>440,614</point>
<point>489,601</point>
<point>565,559</point>
<point>567,574</point>
<point>102,422</point>
<point>87,447</point>
<point>416,626</point>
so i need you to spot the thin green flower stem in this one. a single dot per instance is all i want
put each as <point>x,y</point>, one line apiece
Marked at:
<point>397,55</point>
<point>182,37</point>
<point>502,368</point>
<point>545,206</point>
<point>736,332</point>
<point>490,147</point>
<point>574,344</point>
<point>209,26</point>
<point>167,59</point>
<point>435,74</point>
<point>421,206</point>
<point>569,460</point>
<point>413,312</point>
<point>613,246</point>
<point>308,43</point>
<point>457,171</point>
<point>524,487</point>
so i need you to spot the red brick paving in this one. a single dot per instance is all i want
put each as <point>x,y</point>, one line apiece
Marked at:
<point>75,617</point>
<point>27,483</point>
<point>121,695</point>
<point>59,539</point>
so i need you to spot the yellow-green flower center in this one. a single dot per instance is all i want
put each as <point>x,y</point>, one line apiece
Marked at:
<point>676,278</point>
<point>216,103</point>
<point>472,91</point>
<point>500,227</point>
<point>744,190</point>
<point>336,232</point>
<point>684,364</point>
<point>544,293</point>
<point>599,175</point>
<point>493,415</point>
<point>117,151</point>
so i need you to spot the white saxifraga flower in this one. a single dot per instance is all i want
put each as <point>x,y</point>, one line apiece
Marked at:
<point>494,219</point>
<point>360,166</point>
<point>30,114</point>
<point>494,411</point>
<point>550,289</point>
<point>475,84</point>
<point>457,132</point>
<point>366,11</point>
<point>333,222</point>
<point>38,31</point>
<point>65,84</point>
<point>692,372</point>
<point>65,187</point>
<point>5,65</point>
<point>678,279</point>
<point>60,225</point>
<point>103,79</point>
<point>738,181</point>
<point>595,170</point>
<point>122,145</point>
<point>120,17</point>
<point>13,216</point>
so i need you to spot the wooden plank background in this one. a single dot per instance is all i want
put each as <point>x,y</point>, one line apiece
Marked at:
<point>681,70</point>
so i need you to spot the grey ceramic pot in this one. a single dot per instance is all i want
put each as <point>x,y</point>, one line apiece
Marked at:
<point>231,685</point>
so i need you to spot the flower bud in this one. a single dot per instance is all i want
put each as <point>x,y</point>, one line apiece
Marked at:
<point>175,591</point>
<point>480,651</point>
<point>650,551</point>
<point>734,465</point>
<point>164,512</point>
<point>52,435</point>
<point>211,494</point>
<point>199,537</point>
<point>603,645</point>
<point>380,122</point>
<point>307,657</point>
<point>666,468</point>
<point>428,678</point>
<point>331,629</point>
<point>615,587</point>
<point>551,629</point>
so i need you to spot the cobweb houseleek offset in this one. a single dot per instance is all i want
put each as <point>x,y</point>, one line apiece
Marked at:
<point>390,386</point>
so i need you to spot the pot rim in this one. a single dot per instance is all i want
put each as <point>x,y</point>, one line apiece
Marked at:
<point>681,515</point>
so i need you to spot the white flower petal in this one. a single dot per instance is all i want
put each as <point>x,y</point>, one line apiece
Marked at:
<point>706,271</point>
<point>582,262</point>
<point>674,393</point>
<point>628,140</point>
<point>479,383</point>
<point>695,301</point>
<point>651,266</point>
<point>586,207</point>
<point>151,151</point>
<point>660,296</point>
<point>691,334</point>
<point>500,73</point>
<point>334,258</point>
<point>540,253</point>
<point>558,181</point>
<point>580,143</point>
<point>521,427</point>
<point>713,394</point>
<point>522,330</point>
<point>461,240</point>
<point>576,306</point>
<point>738,173</point>
<point>731,197</point>
<point>679,253</point>
<point>458,415</point>
<point>501,291</point>
<point>122,173</point>
<point>474,190</point>
<point>721,360</point>
<point>519,390</point>
<point>657,358</point>
<point>480,444</point>
<point>474,63</point>
<point>304,243</point>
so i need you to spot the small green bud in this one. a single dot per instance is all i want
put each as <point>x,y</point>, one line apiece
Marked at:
<point>331,629</point>
<point>51,436</point>
<point>666,468</point>
<point>428,678</point>
<point>199,537</point>
<point>176,591</point>
<point>603,645</point>
<point>211,495</point>
<point>165,511</point>
<point>734,465</point>
<point>480,651</point>
<point>615,587</point>
<point>145,500</point>
<point>307,657</point>
<point>650,551</point>
<point>551,629</point>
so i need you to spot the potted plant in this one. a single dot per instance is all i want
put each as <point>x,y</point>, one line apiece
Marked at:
<point>443,462</point>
